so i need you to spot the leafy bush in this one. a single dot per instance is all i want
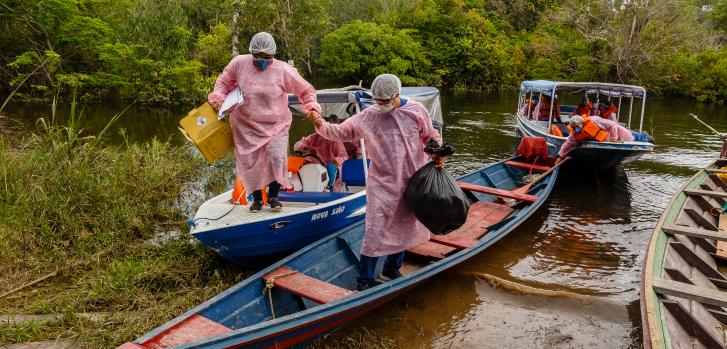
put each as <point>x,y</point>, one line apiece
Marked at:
<point>361,51</point>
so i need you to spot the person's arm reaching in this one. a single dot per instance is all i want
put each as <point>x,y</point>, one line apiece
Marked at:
<point>343,132</point>
<point>225,83</point>
<point>569,144</point>
<point>428,132</point>
<point>303,89</point>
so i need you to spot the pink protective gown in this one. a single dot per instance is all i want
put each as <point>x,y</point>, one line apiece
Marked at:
<point>616,133</point>
<point>395,144</point>
<point>326,150</point>
<point>260,126</point>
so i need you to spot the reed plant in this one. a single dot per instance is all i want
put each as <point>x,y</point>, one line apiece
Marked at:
<point>84,212</point>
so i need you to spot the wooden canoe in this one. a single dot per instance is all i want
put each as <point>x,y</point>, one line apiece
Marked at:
<point>312,291</point>
<point>683,297</point>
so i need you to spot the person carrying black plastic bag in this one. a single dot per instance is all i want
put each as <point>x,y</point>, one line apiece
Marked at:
<point>395,131</point>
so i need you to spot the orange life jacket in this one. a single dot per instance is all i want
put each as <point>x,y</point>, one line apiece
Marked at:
<point>584,109</point>
<point>608,112</point>
<point>589,132</point>
<point>555,131</point>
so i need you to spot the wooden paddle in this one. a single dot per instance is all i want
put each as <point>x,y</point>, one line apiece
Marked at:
<point>525,188</point>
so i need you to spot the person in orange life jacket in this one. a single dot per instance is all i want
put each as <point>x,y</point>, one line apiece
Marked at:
<point>584,128</point>
<point>584,108</point>
<point>608,111</point>
<point>542,109</point>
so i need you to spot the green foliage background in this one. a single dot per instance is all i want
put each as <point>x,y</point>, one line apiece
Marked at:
<point>169,52</point>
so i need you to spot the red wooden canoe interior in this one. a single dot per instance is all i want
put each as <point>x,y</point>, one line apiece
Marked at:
<point>527,166</point>
<point>499,192</point>
<point>303,285</point>
<point>482,214</point>
<point>193,328</point>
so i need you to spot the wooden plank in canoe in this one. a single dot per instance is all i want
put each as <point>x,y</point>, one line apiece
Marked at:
<point>687,231</point>
<point>710,193</point>
<point>687,291</point>
<point>527,166</point>
<point>192,329</point>
<point>498,192</point>
<point>699,218</point>
<point>432,250</point>
<point>693,327</point>
<point>722,245</point>
<point>694,260</point>
<point>482,214</point>
<point>303,285</point>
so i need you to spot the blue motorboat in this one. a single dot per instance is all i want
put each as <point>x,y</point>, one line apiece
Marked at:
<point>311,211</point>
<point>593,155</point>
<point>312,292</point>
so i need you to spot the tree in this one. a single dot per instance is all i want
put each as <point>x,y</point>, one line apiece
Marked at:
<point>635,41</point>
<point>361,51</point>
<point>465,43</point>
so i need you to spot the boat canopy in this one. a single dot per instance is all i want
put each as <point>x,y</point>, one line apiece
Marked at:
<point>343,102</point>
<point>613,90</point>
<point>617,91</point>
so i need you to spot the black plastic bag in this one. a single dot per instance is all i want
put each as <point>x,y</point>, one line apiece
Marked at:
<point>436,199</point>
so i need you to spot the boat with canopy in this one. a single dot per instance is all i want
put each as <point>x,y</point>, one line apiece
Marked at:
<point>630,103</point>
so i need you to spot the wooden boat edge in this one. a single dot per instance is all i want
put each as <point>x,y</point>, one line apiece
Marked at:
<point>651,311</point>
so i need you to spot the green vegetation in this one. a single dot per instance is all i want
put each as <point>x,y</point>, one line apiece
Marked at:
<point>169,52</point>
<point>108,220</point>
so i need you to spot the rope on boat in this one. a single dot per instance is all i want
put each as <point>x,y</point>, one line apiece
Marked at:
<point>193,222</point>
<point>269,284</point>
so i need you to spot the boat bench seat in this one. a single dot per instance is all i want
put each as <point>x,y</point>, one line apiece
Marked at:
<point>314,197</point>
<point>482,215</point>
<point>527,166</point>
<point>189,330</point>
<point>498,192</point>
<point>303,285</point>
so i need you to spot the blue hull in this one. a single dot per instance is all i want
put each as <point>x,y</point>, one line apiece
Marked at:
<point>283,234</point>
<point>593,155</point>
<point>251,322</point>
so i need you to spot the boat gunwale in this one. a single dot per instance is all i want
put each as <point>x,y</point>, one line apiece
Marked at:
<point>390,289</point>
<point>281,215</point>
<point>652,324</point>
<point>626,146</point>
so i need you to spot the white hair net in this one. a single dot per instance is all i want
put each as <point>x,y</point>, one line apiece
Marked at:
<point>385,86</point>
<point>575,119</point>
<point>263,42</point>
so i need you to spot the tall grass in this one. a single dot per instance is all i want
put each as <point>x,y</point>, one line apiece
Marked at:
<point>71,202</point>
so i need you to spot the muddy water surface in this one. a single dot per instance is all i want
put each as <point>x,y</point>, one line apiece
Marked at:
<point>586,242</point>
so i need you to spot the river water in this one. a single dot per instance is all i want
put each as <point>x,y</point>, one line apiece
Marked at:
<point>586,242</point>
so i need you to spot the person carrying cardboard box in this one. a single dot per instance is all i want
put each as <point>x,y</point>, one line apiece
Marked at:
<point>261,125</point>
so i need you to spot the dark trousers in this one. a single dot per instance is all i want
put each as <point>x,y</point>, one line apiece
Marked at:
<point>367,265</point>
<point>273,189</point>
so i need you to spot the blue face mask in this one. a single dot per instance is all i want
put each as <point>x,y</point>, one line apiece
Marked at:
<point>578,129</point>
<point>262,63</point>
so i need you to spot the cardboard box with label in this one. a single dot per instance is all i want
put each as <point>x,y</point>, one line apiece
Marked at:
<point>212,136</point>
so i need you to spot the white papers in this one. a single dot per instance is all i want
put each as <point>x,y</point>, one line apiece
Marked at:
<point>232,100</point>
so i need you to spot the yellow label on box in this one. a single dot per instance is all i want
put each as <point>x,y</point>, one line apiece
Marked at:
<point>213,137</point>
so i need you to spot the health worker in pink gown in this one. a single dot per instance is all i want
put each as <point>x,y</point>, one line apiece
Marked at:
<point>260,126</point>
<point>395,132</point>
